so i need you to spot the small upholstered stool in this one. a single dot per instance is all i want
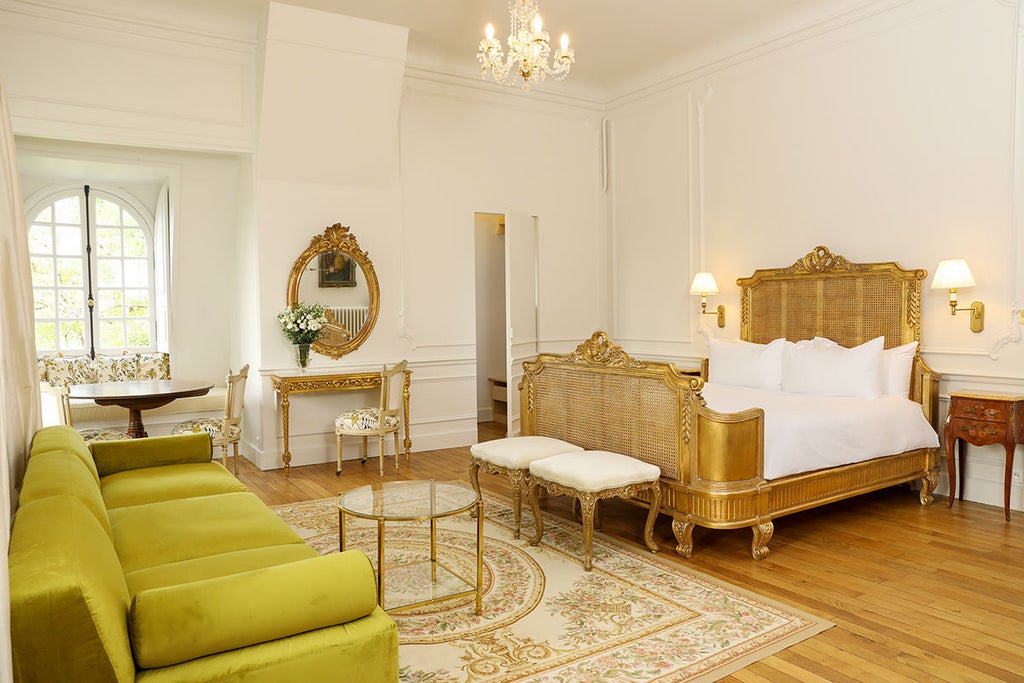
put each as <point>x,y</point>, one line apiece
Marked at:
<point>590,476</point>
<point>512,457</point>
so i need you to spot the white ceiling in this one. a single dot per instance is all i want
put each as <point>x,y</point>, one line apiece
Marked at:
<point>620,45</point>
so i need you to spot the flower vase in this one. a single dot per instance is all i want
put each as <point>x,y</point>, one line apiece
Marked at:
<point>302,355</point>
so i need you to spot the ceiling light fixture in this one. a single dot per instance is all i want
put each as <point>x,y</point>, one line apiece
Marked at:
<point>528,50</point>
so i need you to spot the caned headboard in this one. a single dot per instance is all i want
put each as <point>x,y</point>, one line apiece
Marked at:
<point>825,295</point>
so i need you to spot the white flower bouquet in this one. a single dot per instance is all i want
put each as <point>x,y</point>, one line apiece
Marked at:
<point>303,323</point>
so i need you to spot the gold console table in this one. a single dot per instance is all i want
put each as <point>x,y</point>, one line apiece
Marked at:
<point>286,385</point>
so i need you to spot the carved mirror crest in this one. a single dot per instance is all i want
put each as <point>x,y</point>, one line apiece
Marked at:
<point>335,272</point>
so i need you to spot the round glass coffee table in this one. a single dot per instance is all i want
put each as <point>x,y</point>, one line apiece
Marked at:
<point>423,582</point>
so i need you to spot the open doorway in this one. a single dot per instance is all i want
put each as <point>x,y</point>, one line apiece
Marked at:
<point>508,309</point>
<point>491,381</point>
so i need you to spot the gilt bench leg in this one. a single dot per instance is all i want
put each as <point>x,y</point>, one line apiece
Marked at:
<point>652,516</point>
<point>517,478</point>
<point>587,503</point>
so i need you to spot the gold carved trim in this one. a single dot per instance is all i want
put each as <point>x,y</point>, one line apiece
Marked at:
<point>598,350</point>
<point>338,238</point>
<point>821,260</point>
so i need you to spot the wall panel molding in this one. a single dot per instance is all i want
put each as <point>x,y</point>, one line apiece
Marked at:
<point>83,91</point>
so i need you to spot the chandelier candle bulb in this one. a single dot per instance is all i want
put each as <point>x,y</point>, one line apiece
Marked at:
<point>565,42</point>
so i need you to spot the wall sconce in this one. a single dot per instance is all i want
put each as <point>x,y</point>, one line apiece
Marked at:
<point>952,274</point>
<point>704,284</point>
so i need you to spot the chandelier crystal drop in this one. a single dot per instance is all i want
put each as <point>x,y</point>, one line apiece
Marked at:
<point>529,51</point>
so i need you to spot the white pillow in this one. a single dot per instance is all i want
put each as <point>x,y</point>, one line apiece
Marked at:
<point>826,370</point>
<point>897,364</point>
<point>744,364</point>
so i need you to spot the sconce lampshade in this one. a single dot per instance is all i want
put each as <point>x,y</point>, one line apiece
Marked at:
<point>952,273</point>
<point>704,283</point>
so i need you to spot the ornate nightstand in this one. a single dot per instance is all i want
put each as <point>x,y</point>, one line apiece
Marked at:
<point>982,419</point>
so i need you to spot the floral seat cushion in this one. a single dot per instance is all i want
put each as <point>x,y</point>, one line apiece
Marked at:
<point>102,435</point>
<point>212,426</point>
<point>364,420</point>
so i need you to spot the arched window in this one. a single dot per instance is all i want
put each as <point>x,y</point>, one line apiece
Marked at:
<point>113,263</point>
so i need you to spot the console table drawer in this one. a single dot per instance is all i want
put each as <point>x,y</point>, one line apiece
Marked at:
<point>977,409</point>
<point>978,432</point>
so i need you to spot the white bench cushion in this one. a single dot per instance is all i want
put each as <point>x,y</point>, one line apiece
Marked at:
<point>517,452</point>
<point>594,470</point>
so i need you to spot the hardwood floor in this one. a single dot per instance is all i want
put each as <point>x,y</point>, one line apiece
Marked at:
<point>916,593</point>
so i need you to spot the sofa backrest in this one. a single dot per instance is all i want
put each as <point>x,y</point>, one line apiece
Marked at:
<point>61,473</point>
<point>69,601</point>
<point>60,371</point>
<point>63,438</point>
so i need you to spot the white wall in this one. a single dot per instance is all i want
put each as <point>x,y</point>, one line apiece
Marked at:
<point>896,137</point>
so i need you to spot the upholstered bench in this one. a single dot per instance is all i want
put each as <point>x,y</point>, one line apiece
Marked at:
<point>512,457</point>
<point>588,477</point>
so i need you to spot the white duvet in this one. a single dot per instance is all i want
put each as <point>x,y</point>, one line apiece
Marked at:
<point>805,432</point>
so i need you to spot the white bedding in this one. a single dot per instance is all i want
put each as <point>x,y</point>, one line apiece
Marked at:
<point>805,432</point>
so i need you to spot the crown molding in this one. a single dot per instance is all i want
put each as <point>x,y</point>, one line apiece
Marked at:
<point>482,87</point>
<point>78,16</point>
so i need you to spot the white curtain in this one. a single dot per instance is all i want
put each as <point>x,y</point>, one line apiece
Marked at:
<point>19,383</point>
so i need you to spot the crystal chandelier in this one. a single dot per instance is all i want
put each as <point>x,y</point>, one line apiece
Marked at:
<point>528,50</point>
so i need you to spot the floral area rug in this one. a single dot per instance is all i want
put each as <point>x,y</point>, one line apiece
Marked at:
<point>634,617</point>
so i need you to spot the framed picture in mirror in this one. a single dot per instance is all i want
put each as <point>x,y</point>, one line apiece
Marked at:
<point>337,269</point>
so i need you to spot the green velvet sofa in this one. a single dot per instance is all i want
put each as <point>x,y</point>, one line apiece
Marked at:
<point>144,560</point>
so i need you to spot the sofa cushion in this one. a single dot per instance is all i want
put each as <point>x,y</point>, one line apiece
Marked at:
<point>62,372</point>
<point>117,368</point>
<point>212,566</point>
<point>177,623</point>
<point>64,571</point>
<point>63,438</point>
<point>364,650</point>
<point>156,365</point>
<point>176,530</point>
<point>167,482</point>
<point>58,473</point>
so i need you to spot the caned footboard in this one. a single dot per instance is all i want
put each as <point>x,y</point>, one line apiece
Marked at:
<point>712,463</point>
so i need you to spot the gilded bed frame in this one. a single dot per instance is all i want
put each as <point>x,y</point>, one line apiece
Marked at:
<point>712,463</point>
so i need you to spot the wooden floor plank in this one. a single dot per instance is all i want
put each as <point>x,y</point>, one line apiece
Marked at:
<point>916,592</point>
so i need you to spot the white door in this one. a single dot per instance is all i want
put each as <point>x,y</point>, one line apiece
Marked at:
<point>520,304</point>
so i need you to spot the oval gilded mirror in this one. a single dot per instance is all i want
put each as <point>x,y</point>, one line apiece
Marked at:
<point>335,272</point>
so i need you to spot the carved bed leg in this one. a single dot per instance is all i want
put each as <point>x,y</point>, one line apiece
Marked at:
<point>762,535</point>
<point>684,537</point>
<point>928,483</point>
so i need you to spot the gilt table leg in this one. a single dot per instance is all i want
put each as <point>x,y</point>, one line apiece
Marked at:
<point>286,455</point>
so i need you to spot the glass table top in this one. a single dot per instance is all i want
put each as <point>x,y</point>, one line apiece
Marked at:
<point>407,500</point>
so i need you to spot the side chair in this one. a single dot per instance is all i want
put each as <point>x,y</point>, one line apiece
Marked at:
<point>87,434</point>
<point>380,421</point>
<point>223,430</point>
